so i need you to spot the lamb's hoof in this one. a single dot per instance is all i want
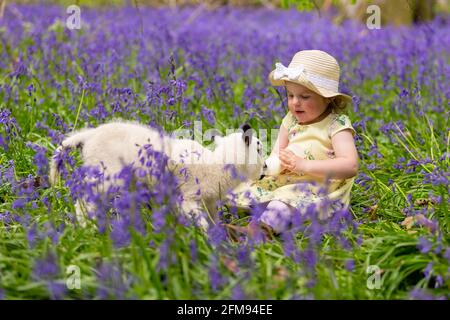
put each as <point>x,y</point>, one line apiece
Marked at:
<point>202,224</point>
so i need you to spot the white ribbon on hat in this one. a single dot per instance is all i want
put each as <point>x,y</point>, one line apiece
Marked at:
<point>293,73</point>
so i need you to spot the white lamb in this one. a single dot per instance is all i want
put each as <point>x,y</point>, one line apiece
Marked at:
<point>115,144</point>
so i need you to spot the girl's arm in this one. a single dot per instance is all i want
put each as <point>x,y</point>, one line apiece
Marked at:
<point>281,143</point>
<point>344,166</point>
<point>273,163</point>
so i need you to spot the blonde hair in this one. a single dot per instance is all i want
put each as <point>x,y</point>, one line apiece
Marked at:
<point>338,104</point>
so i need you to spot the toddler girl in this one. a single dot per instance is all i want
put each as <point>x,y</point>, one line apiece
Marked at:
<point>314,157</point>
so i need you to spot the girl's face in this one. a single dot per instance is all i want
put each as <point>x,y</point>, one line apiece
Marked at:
<point>304,104</point>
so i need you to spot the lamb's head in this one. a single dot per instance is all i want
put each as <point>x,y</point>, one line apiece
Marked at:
<point>243,150</point>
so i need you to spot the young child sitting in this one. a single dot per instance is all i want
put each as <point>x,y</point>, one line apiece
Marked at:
<point>315,148</point>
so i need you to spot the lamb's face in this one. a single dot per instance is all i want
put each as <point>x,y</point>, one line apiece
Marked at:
<point>243,150</point>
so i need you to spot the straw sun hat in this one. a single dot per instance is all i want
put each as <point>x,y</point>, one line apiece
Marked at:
<point>314,69</point>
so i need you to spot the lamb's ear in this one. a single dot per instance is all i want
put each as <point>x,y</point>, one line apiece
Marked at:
<point>248,134</point>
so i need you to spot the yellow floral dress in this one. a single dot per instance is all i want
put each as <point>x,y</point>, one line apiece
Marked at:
<point>313,142</point>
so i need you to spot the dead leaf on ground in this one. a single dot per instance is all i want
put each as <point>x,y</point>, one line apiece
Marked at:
<point>425,202</point>
<point>230,264</point>
<point>372,211</point>
<point>280,274</point>
<point>410,221</point>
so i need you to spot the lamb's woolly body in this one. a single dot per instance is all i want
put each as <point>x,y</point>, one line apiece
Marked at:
<point>116,144</point>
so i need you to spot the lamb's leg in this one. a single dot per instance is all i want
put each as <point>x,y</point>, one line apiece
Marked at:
<point>193,210</point>
<point>81,210</point>
<point>83,207</point>
<point>211,206</point>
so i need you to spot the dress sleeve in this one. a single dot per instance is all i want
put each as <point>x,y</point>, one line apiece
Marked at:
<point>341,122</point>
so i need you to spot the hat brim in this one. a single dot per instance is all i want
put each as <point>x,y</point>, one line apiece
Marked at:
<point>305,82</point>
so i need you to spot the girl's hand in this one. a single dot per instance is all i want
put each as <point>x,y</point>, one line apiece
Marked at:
<point>290,161</point>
